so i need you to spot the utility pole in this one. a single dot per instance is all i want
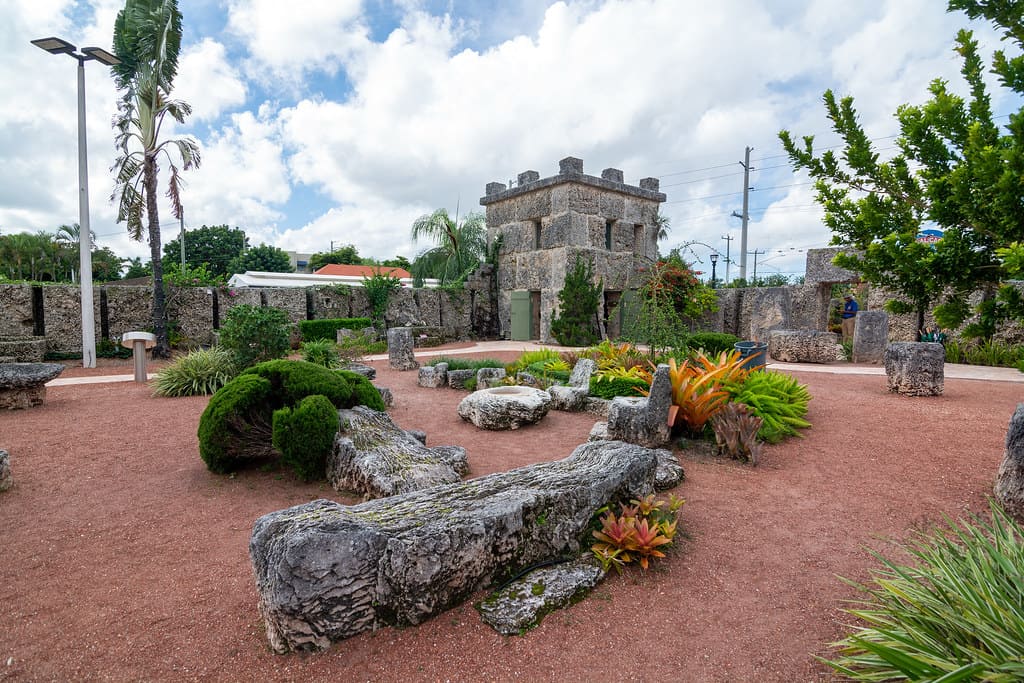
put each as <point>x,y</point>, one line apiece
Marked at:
<point>728,243</point>
<point>746,213</point>
<point>755,253</point>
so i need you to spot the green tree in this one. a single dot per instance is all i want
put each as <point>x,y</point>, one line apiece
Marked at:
<point>264,258</point>
<point>31,256</point>
<point>955,169</point>
<point>213,246</point>
<point>398,262</point>
<point>147,40</point>
<point>136,268</point>
<point>347,255</point>
<point>106,265</point>
<point>460,246</point>
<point>576,323</point>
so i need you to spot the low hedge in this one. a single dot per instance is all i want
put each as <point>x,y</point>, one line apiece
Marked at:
<point>240,423</point>
<point>617,386</point>
<point>712,342</point>
<point>327,328</point>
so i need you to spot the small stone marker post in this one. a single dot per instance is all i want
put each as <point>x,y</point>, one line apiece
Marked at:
<point>400,349</point>
<point>915,368</point>
<point>870,336</point>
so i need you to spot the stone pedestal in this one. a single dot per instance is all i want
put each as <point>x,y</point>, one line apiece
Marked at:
<point>400,349</point>
<point>433,376</point>
<point>870,336</point>
<point>23,385</point>
<point>915,368</point>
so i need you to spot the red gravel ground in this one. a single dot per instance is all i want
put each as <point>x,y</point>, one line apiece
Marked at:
<point>125,559</point>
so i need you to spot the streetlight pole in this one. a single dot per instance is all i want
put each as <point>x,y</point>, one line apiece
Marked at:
<point>714,264</point>
<point>58,46</point>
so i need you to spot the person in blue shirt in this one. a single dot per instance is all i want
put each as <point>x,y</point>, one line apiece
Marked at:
<point>849,316</point>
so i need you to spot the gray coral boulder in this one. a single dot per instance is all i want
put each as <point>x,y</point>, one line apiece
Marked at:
<point>503,408</point>
<point>23,385</point>
<point>373,456</point>
<point>325,571</point>
<point>1009,488</point>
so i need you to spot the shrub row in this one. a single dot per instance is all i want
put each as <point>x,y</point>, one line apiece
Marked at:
<point>327,328</point>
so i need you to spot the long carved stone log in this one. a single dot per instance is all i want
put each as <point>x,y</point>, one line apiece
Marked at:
<point>373,456</point>
<point>325,571</point>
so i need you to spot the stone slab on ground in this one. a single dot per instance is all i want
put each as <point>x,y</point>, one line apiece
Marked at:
<point>523,603</point>
<point>376,458</point>
<point>23,385</point>
<point>325,571</point>
<point>502,408</point>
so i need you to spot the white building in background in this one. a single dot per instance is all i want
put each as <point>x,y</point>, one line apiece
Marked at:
<point>252,278</point>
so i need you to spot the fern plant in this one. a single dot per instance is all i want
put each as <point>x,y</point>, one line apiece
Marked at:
<point>779,400</point>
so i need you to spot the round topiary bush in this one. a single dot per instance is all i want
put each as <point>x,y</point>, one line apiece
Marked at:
<point>305,435</point>
<point>236,425</point>
<point>240,422</point>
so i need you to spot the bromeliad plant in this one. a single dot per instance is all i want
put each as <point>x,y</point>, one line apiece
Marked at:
<point>736,429</point>
<point>699,387</point>
<point>637,533</point>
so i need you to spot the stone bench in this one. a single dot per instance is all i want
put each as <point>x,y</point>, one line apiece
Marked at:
<point>503,408</point>
<point>23,385</point>
<point>325,571</point>
<point>803,346</point>
<point>639,420</point>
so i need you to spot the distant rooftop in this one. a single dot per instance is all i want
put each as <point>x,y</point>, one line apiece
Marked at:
<point>362,271</point>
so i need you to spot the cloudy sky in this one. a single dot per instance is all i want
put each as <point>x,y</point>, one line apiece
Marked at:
<point>342,121</point>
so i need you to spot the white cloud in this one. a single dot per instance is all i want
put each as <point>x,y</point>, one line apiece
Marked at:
<point>207,81</point>
<point>285,40</point>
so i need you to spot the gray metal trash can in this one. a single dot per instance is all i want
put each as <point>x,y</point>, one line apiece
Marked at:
<point>754,353</point>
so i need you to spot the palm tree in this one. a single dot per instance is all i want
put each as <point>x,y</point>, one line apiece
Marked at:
<point>66,239</point>
<point>460,246</point>
<point>661,222</point>
<point>147,40</point>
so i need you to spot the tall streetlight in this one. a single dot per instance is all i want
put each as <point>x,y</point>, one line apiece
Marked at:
<point>58,46</point>
<point>714,264</point>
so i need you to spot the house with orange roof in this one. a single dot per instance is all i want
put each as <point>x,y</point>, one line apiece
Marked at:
<point>362,271</point>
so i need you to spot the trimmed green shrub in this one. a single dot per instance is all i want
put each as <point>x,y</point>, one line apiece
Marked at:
<point>312,330</point>
<point>293,380</point>
<point>236,425</point>
<point>466,363</point>
<point>545,370</point>
<point>363,391</point>
<point>196,374</point>
<point>253,334</point>
<point>713,343</point>
<point>954,615</point>
<point>321,352</point>
<point>305,435</point>
<point>611,387</point>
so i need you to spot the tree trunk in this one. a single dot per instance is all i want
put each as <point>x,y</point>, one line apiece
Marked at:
<point>920,322</point>
<point>163,346</point>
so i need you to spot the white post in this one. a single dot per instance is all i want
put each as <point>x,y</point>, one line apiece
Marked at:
<point>84,236</point>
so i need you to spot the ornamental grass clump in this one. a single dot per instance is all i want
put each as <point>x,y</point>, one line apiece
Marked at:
<point>196,374</point>
<point>955,614</point>
<point>321,352</point>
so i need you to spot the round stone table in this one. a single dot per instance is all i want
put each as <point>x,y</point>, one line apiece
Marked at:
<point>501,408</point>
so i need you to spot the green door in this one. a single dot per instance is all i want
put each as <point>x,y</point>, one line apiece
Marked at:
<point>521,315</point>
